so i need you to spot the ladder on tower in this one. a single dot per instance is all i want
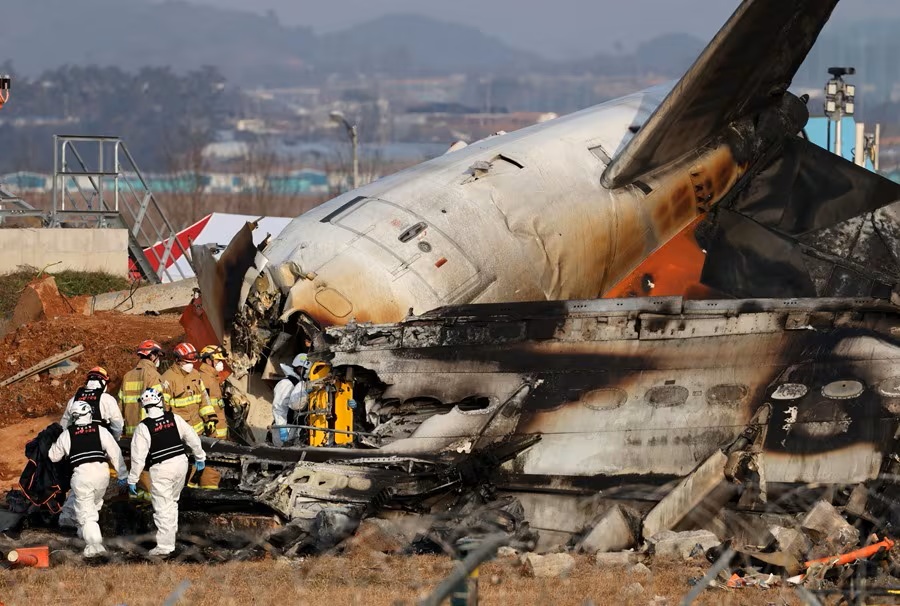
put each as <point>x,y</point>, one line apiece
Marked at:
<point>113,193</point>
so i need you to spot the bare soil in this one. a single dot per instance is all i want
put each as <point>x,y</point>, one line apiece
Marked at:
<point>109,340</point>
<point>370,580</point>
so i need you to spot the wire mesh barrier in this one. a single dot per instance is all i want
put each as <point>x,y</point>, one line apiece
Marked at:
<point>483,557</point>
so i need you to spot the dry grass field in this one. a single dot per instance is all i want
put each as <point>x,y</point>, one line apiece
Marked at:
<point>363,579</point>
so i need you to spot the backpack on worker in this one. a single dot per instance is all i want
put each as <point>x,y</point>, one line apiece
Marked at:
<point>43,482</point>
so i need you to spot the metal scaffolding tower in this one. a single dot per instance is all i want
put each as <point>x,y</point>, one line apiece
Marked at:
<point>112,193</point>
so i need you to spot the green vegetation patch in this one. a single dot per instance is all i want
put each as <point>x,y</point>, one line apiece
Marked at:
<point>70,283</point>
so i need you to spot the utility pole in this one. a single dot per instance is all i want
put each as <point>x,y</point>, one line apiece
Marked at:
<point>353,133</point>
<point>839,102</point>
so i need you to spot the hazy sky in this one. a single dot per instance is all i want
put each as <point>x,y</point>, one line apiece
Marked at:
<point>555,28</point>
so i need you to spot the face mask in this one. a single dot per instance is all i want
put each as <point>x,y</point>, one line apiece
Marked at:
<point>94,384</point>
<point>154,412</point>
<point>157,362</point>
<point>187,367</point>
<point>85,420</point>
<point>220,366</point>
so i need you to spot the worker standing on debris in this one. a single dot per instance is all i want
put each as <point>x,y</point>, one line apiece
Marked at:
<point>88,446</point>
<point>159,444</point>
<point>104,411</point>
<point>212,362</point>
<point>104,408</point>
<point>144,376</point>
<point>290,393</point>
<point>183,388</point>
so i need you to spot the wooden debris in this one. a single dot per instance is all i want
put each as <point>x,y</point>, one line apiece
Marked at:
<point>43,365</point>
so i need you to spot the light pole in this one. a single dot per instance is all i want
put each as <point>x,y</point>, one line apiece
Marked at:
<point>354,142</point>
<point>839,101</point>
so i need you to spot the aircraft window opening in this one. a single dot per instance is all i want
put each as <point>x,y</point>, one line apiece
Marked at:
<point>790,391</point>
<point>666,396</point>
<point>412,232</point>
<point>727,394</point>
<point>605,398</point>
<point>474,403</point>
<point>890,388</point>
<point>843,390</point>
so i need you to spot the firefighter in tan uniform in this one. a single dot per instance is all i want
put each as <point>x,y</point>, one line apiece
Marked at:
<point>184,393</point>
<point>183,389</point>
<point>144,376</point>
<point>212,362</point>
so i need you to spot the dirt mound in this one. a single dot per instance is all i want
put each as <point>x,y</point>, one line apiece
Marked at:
<point>109,340</point>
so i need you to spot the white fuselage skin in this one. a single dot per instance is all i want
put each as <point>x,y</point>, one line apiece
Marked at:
<point>535,225</point>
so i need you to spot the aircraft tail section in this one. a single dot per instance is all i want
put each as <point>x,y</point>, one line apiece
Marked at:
<point>747,67</point>
<point>809,224</point>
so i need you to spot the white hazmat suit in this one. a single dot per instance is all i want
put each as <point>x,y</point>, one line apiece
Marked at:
<point>109,411</point>
<point>290,394</point>
<point>167,478</point>
<point>89,482</point>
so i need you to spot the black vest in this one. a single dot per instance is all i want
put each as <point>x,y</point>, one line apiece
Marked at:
<point>165,441</point>
<point>92,397</point>
<point>86,446</point>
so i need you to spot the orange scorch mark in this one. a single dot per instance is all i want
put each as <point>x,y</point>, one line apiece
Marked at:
<point>671,270</point>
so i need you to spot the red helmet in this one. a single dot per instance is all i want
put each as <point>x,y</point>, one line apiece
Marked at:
<point>99,373</point>
<point>149,347</point>
<point>186,352</point>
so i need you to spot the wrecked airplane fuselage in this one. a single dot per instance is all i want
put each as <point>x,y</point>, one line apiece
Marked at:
<point>550,403</point>
<point>610,401</point>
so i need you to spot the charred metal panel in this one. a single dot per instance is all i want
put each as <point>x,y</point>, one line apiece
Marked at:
<point>623,391</point>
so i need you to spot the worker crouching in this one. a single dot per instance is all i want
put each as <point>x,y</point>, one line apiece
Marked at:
<point>88,446</point>
<point>159,445</point>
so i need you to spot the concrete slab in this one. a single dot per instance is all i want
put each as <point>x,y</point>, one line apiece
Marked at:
<point>159,298</point>
<point>548,566</point>
<point>700,495</point>
<point>682,544</point>
<point>613,532</point>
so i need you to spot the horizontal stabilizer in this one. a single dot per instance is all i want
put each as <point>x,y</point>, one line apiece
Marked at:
<point>748,66</point>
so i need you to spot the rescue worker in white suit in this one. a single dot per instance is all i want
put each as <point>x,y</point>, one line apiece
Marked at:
<point>104,410</point>
<point>89,446</point>
<point>159,444</point>
<point>290,394</point>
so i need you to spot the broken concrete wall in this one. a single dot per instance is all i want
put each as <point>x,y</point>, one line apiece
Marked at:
<point>157,298</point>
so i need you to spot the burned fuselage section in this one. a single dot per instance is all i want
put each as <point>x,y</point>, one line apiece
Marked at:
<point>615,400</point>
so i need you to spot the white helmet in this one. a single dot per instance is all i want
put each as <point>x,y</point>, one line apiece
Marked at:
<point>81,412</point>
<point>151,398</point>
<point>301,361</point>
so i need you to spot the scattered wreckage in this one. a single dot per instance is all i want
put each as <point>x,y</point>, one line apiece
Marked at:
<point>595,424</point>
<point>627,417</point>
<point>753,364</point>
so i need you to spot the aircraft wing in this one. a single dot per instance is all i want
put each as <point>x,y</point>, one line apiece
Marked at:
<point>748,65</point>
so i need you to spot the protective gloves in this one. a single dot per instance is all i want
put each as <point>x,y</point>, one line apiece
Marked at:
<point>199,465</point>
<point>132,489</point>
